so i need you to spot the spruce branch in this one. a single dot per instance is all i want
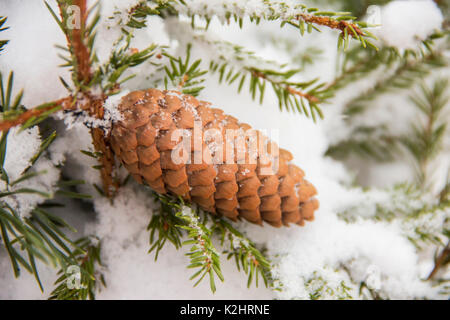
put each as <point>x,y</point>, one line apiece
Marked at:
<point>82,282</point>
<point>84,97</point>
<point>165,224</point>
<point>367,142</point>
<point>39,235</point>
<point>307,18</point>
<point>203,255</point>
<point>237,65</point>
<point>441,261</point>
<point>320,287</point>
<point>122,59</point>
<point>87,79</point>
<point>357,7</point>
<point>422,222</point>
<point>79,39</point>
<point>359,63</point>
<point>377,142</point>
<point>411,68</point>
<point>342,22</point>
<point>425,140</point>
<point>299,16</point>
<point>2,28</point>
<point>244,252</point>
<point>137,15</point>
<point>35,237</point>
<point>13,113</point>
<point>177,219</point>
<point>15,116</point>
<point>183,75</point>
<point>324,19</point>
<point>80,42</point>
<point>42,236</point>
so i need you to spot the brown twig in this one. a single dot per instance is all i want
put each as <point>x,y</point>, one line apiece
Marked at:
<point>307,96</point>
<point>440,261</point>
<point>7,124</point>
<point>332,23</point>
<point>76,42</point>
<point>93,105</point>
<point>291,90</point>
<point>76,39</point>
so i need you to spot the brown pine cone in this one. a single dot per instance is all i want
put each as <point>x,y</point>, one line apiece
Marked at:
<point>241,180</point>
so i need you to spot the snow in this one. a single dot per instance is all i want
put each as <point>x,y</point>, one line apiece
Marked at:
<point>39,80</point>
<point>305,258</point>
<point>111,115</point>
<point>21,147</point>
<point>25,145</point>
<point>407,22</point>
<point>284,9</point>
<point>111,106</point>
<point>67,148</point>
<point>132,273</point>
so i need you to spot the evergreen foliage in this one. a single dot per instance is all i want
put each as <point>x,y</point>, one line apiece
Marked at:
<point>44,236</point>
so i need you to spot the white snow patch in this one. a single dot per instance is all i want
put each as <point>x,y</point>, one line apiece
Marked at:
<point>407,22</point>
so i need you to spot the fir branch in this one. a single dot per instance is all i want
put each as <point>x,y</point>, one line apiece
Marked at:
<point>308,18</point>
<point>298,16</point>
<point>81,282</point>
<point>425,140</point>
<point>41,236</point>
<point>2,28</point>
<point>137,15</point>
<point>320,288</point>
<point>376,142</point>
<point>14,114</point>
<point>185,77</point>
<point>441,261</point>
<point>203,255</point>
<point>302,97</point>
<point>122,58</point>
<point>176,219</point>
<point>79,39</point>
<point>367,142</point>
<point>80,44</point>
<point>359,63</point>
<point>165,223</point>
<point>403,77</point>
<point>244,252</point>
<point>422,222</point>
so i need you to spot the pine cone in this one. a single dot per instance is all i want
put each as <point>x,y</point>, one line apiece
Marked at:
<point>246,186</point>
